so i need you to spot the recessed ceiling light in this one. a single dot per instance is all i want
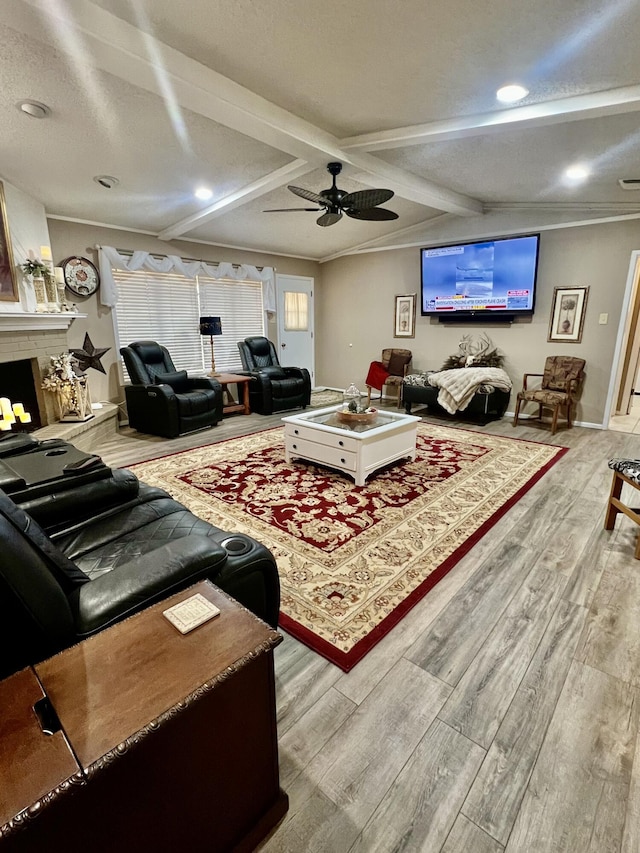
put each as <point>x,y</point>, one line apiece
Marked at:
<point>577,173</point>
<point>203,193</point>
<point>511,93</point>
<point>106,181</point>
<point>34,109</point>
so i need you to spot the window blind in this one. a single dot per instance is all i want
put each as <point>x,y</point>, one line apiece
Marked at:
<point>166,308</point>
<point>240,308</point>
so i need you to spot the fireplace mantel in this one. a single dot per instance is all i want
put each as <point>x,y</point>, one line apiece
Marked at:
<point>23,321</point>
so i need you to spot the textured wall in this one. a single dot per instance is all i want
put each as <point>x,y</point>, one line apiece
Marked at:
<point>355,312</point>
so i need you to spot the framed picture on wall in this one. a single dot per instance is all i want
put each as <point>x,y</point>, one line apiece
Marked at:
<point>567,314</point>
<point>405,316</point>
<point>8,281</point>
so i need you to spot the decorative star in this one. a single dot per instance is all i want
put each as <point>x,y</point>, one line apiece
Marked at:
<point>89,356</point>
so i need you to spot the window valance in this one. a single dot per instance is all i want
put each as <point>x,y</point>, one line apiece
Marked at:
<point>110,258</point>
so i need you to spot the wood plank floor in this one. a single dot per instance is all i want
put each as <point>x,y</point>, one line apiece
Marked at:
<point>502,713</point>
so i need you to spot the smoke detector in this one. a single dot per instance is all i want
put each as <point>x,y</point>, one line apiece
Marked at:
<point>106,181</point>
<point>34,109</point>
<point>629,183</point>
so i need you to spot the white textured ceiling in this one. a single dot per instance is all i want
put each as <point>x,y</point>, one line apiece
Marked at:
<point>250,96</point>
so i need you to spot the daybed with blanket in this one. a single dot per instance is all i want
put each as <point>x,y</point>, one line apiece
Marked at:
<point>480,393</point>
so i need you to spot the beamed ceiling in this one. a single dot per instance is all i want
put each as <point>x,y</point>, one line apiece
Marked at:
<point>247,97</point>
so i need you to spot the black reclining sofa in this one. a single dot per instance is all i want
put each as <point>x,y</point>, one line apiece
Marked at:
<point>83,547</point>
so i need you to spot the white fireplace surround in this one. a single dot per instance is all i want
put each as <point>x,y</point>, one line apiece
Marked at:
<point>26,321</point>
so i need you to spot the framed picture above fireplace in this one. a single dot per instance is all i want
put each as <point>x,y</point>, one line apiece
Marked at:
<point>8,282</point>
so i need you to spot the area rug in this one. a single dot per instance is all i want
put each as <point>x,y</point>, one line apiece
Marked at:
<point>327,397</point>
<point>353,560</point>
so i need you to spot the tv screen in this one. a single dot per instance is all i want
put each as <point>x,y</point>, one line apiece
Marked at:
<point>475,279</point>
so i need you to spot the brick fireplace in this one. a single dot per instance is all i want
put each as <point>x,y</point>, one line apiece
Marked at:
<point>35,345</point>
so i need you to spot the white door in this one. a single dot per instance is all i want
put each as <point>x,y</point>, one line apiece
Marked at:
<point>295,322</point>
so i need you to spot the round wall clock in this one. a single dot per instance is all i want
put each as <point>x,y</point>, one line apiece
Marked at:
<point>80,276</point>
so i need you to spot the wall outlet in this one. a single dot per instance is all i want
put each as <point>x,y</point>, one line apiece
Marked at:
<point>603,319</point>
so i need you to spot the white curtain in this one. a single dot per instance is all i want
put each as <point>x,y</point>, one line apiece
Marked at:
<point>109,258</point>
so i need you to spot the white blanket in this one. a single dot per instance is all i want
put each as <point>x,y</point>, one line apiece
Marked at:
<point>457,387</point>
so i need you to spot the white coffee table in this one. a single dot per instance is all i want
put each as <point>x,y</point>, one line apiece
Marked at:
<point>356,449</point>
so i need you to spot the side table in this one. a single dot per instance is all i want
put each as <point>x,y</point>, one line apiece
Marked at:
<point>230,404</point>
<point>164,742</point>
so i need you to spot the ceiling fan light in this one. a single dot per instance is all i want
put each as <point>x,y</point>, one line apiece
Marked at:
<point>362,204</point>
<point>511,93</point>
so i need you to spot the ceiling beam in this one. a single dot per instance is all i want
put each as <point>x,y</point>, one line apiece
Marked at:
<point>575,108</point>
<point>121,49</point>
<point>381,244</point>
<point>223,205</point>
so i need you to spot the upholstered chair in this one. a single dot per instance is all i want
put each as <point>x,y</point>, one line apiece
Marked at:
<point>274,388</point>
<point>164,401</point>
<point>561,381</point>
<point>625,472</point>
<point>390,371</point>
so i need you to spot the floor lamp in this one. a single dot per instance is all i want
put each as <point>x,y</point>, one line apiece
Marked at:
<point>211,326</point>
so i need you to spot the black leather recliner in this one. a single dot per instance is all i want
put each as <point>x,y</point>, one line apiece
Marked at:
<point>164,401</point>
<point>275,388</point>
<point>56,590</point>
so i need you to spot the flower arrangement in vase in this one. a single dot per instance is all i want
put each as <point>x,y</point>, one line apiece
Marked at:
<point>71,391</point>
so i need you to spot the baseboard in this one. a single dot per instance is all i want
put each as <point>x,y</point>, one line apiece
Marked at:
<point>585,424</point>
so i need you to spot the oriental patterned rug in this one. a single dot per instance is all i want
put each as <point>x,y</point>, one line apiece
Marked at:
<point>353,560</point>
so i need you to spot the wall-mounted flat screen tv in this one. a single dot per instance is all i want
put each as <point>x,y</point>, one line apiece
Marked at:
<point>496,277</point>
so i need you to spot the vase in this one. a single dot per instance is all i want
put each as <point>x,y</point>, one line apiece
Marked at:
<point>41,294</point>
<point>352,400</point>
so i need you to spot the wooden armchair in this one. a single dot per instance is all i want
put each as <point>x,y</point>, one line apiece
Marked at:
<point>391,370</point>
<point>561,381</point>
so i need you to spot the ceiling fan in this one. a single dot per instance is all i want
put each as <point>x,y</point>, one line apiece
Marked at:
<point>335,202</point>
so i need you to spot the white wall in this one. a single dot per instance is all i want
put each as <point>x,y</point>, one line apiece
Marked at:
<point>29,231</point>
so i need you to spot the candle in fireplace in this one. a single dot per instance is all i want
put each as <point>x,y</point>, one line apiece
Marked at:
<point>10,411</point>
<point>5,407</point>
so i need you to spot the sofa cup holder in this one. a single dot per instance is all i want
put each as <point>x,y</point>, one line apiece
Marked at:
<point>237,545</point>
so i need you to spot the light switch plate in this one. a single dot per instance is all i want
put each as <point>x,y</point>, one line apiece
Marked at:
<point>604,319</point>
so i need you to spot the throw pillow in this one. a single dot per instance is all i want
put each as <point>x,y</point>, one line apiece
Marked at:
<point>177,380</point>
<point>397,363</point>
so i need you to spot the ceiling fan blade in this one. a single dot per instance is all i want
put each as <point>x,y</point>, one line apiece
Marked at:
<point>290,209</point>
<point>373,214</point>
<point>364,199</point>
<point>310,196</point>
<point>328,219</point>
